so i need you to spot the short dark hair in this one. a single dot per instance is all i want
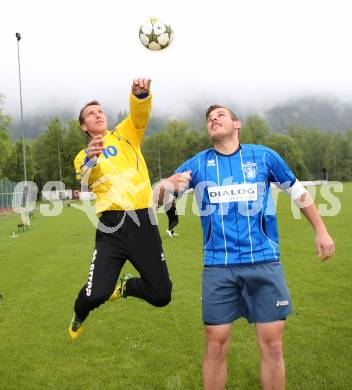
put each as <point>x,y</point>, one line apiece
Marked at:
<point>91,103</point>
<point>215,106</point>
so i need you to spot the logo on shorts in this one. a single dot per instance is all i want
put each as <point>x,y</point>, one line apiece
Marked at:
<point>162,257</point>
<point>282,303</point>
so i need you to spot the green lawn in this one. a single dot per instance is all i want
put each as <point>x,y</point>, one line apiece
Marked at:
<point>131,345</point>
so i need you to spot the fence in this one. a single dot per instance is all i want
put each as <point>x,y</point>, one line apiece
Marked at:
<point>6,193</point>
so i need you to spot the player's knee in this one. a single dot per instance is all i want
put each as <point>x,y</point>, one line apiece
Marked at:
<point>216,349</point>
<point>273,349</point>
<point>163,298</point>
<point>161,302</point>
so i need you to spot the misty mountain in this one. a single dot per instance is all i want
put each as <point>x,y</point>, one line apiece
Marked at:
<point>311,113</point>
<point>35,124</point>
<point>325,114</point>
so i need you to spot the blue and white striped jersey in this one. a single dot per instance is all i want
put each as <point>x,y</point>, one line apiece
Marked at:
<point>235,203</point>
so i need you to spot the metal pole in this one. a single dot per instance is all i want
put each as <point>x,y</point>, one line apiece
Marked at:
<point>25,188</point>
<point>58,149</point>
<point>18,37</point>
<point>159,162</point>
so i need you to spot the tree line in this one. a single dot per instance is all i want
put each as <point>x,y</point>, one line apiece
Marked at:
<point>312,154</point>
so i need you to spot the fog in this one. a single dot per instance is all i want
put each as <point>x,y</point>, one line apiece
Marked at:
<point>251,54</point>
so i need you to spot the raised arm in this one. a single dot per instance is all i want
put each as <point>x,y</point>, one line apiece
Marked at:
<point>133,127</point>
<point>139,110</point>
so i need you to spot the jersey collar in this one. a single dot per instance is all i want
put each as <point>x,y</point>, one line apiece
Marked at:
<point>228,155</point>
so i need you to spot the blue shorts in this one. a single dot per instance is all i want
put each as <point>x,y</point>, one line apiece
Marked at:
<point>256,292</point>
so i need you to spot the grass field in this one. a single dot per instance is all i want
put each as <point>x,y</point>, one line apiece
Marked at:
<point>131,345</point>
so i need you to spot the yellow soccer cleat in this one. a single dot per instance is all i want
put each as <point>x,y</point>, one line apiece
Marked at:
<point>75,328</point>
<point>120,289</point>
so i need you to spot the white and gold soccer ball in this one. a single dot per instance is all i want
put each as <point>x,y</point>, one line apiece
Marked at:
<point>155,34</point>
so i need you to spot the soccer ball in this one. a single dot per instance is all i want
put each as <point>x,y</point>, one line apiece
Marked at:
<point>155,34</point>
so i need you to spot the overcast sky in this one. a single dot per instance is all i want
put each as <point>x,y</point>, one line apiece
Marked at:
<point>251,52</point>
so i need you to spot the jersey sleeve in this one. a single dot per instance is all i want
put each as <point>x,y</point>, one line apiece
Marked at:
<point>193,165</point>
<point>83,164</point>
<point>133,127</point>
<point>281,174</point>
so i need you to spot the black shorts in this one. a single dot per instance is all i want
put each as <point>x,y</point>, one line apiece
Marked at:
<point>135,238</point>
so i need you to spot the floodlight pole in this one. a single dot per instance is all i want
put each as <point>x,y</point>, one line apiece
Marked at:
<point>159,162</point>
<point>58,149</point>
<point>18,37</point>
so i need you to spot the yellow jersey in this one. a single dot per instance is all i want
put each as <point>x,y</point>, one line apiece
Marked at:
<point>119,176</point>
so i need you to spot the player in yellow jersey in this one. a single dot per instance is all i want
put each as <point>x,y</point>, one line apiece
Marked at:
<point>114,167</point>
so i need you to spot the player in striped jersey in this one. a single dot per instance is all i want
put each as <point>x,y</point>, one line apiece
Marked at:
<point>242,275</point>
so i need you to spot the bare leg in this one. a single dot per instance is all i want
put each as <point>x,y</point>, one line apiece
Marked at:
<point>217,338</point>
<point>272,366</point>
